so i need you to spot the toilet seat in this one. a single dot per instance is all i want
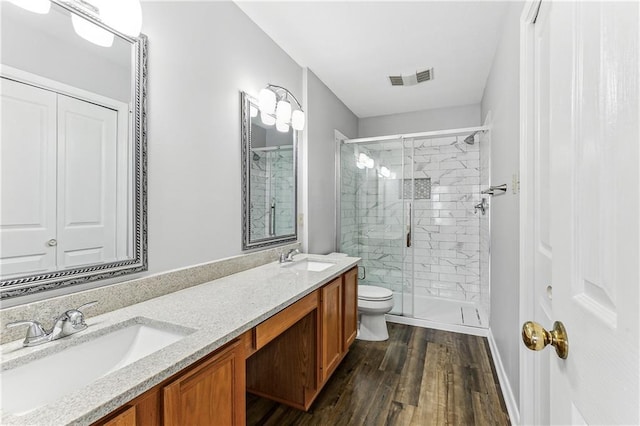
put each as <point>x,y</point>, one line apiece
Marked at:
<point>374,293</point>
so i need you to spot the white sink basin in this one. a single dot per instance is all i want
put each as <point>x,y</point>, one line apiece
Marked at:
<point>311,265</point>
<point>55,375</point>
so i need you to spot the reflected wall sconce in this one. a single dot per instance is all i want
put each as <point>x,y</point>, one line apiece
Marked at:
<point>275,108</point>
<point>124,16</point>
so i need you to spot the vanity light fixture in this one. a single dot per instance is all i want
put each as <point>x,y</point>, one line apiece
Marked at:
<point>124,16</point>
<point>91,32</point>
<point>267,119</point>
<point>37,6</point>
<point>276,100</point>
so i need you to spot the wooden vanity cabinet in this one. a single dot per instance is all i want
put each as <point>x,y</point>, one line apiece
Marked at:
<point>288,358</point>
<point>211,392</point>
<point>350,308</point>
<point>331,313</point>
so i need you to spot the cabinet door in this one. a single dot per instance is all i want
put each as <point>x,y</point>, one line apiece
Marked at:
<point>126,418</point>
<point>331,312</point>
<point>350,308</point>
<point>210,394</point>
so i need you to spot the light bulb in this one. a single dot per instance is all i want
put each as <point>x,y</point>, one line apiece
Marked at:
<point>283,112</point>
<point>38,6</point>
<point>267,119</point>
<point>267,101</point>
<point>297,119</point>
<point>282,127</point>
<point>124,16</point>
<point>91,32</point>
<point>360,165</point>
<point>363,158</point>
<point>370,163</point>
<point>385,172</point>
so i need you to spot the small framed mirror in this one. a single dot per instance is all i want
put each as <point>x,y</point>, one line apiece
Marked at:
<point>73,149</point>
<point>269,180</point>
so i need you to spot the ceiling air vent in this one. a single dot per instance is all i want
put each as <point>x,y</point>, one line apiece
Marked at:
<point>396,80</point>
<point>411,79</point>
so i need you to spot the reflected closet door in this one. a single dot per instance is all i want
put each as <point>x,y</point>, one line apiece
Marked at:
<point>28,182</point>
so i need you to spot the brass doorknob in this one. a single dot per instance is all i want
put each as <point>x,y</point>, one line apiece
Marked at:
<point>536,338</point>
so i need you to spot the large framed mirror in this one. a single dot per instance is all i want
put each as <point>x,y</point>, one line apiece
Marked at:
<point>269,183</point>
<point>73,150</point>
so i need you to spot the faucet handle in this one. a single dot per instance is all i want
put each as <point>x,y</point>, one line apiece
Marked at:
<point>76,316</point>
<point>34,332</point>
<point>87,305</point>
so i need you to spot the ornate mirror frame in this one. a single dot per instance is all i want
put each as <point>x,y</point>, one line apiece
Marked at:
<point>30,284</point>
<point>247,242</point>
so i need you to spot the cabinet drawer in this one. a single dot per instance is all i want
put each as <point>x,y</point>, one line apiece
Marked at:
<point>277,324</point>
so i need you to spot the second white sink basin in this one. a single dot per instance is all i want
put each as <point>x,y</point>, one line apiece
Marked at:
<point>311,265</point>
<point>53,376</point>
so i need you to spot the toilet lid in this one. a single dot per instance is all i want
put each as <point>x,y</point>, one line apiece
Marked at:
<point>372,292</point>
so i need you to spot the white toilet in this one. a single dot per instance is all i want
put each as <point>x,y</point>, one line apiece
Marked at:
<point>373,303</point>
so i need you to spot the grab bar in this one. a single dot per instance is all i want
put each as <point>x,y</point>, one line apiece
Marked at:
<point>272,218</point>
<point>409,228</point>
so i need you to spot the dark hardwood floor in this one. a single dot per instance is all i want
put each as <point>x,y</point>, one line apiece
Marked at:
<point>418,377</point>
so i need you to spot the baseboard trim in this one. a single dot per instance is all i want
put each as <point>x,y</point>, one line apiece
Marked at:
<point>507,392</point>
<point>474,331</point>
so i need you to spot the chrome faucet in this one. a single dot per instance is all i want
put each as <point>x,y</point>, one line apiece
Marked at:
<point>285,258</point>
<point>68,323</point>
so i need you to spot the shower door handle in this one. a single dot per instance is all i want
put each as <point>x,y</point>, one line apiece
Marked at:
<point>409,228</point>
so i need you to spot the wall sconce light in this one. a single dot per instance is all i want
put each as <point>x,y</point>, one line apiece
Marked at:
<point>276,100</point>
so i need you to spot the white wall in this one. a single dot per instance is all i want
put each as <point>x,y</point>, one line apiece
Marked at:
<point>201,55</point>
<point>420,121</point>
<point>326,113</point>
<point>501,99</point>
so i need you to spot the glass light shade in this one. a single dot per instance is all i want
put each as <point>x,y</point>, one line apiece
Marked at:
<point>253,111</point>
<point>282,127</point>
<point>267,119</point>
<point>283,112</point>
<point>297,119</point>
<point>37,6</point>
<point>385,172</point>
<point>267,101</point>
<point>360,165</point>
<point>122,15</point>
<point>363,158</point>
<point>91,32</point>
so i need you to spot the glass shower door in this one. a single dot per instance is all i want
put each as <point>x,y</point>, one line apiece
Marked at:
<point>372,210</point>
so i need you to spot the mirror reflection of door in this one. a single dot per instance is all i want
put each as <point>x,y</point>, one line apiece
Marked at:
<point>59,179</point>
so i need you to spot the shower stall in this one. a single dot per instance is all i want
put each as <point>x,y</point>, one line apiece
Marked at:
<point>411,207</point>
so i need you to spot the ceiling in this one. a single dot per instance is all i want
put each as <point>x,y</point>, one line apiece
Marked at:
<point>353,46</point>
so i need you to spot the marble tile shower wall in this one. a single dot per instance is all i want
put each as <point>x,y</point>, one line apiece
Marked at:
<point>444,257</point>
<point>272,180</point>
<point>348,212</point>
<point>446,249</point>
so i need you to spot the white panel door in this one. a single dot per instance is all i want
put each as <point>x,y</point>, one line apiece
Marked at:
<point>542,207</point>
<point>588,56</point>
<point>28,186</point>
<point>87,183</point>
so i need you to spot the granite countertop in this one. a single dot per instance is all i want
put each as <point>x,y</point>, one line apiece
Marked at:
<point>217,311</point>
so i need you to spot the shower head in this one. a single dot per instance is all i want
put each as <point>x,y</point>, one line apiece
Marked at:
<point>470,140</point>
<point>256,157</point>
